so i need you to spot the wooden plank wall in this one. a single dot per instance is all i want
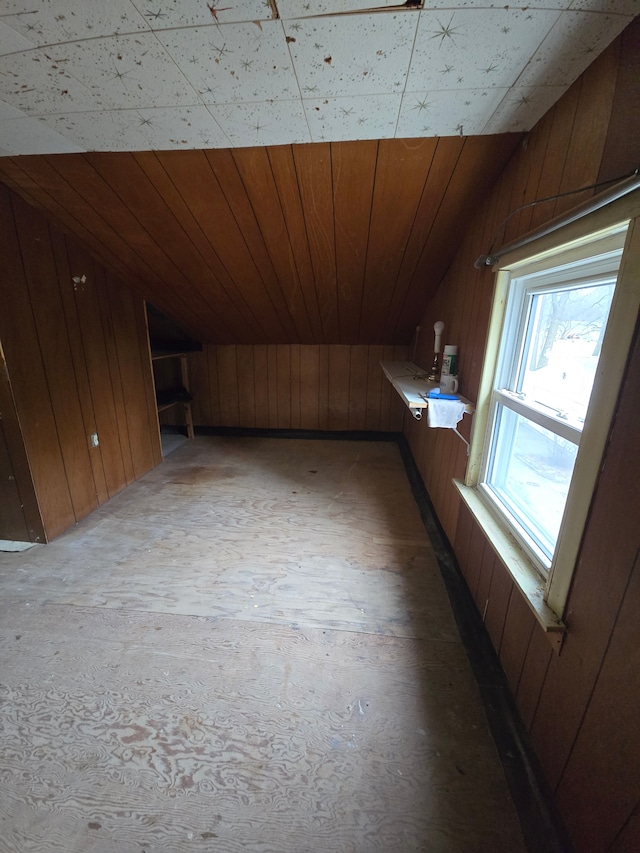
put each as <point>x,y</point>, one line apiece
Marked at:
<point>330,243</point>
<point>581,707</point>
<point>19,514</point>
<point>292,386</point>
<point>78,363</point>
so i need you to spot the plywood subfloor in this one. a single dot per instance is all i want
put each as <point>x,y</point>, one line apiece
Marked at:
<point>250,649</point>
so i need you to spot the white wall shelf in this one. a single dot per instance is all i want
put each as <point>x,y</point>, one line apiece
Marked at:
<point>410,381</point>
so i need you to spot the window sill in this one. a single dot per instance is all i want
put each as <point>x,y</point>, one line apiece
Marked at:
<point>525,577</point>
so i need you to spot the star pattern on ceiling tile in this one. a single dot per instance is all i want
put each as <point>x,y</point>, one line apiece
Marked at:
<point>221,51</point>
<point>424,104</point>
<point>367,71</point>
<point>446,31</point>
<point>145,122</point>
<point>120,75</point>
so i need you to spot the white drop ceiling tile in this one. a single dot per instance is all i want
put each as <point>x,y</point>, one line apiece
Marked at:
<point>181,127</point>
<point>237,62</point>
<point>265,123</point>
<point>128,71</point>
<point>107,130</point>
<point>11,41</point>
<point>475,48</point>
<point>37,82</point>
<point>32,136</point>
<point>572,45</point>
<point>8,111</point>
<point>360,117</point>
<point>352,55</point>
<point>167,14</point>
<point>142,130</point>
<point>313,8</point>
<point>522,107</point>
<point>71,20</point>
<point>464,112</point>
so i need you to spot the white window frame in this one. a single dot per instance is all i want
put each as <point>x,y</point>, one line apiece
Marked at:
<point>564,269</point>
<point>547,597</point>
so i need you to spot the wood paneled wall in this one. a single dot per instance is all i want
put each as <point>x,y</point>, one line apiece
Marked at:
<point>581,707</point>
<point>330,243</point>
<point>76,350</point>
<point>336,387</point>
<point>19,514</point>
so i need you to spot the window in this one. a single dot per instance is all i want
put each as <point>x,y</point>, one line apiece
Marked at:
<point>548,354</point>
<point>563,318</point>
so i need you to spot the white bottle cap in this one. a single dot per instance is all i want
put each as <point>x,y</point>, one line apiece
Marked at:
<point>450,350</point>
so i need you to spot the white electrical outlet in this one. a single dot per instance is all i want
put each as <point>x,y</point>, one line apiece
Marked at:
<point>94,439</point>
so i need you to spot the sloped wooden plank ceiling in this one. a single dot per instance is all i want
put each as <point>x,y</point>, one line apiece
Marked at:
<point>327,243</point>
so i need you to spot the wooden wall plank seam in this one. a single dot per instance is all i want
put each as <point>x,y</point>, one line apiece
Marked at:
<point>284,174</point>
<point>217,287</point>
<point>46,304</point>
<point>605,746</point>
<point>115,380</point>
<point>353,171</point>
<point>270,238</point>
<point>234,227</point>
<point>86,298</point>
<point>83,386</point>
<point>314,174</point>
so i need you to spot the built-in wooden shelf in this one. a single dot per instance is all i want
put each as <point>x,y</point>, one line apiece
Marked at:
<point>411,383</point>
<point>158,354</point>
<point>180,393</point>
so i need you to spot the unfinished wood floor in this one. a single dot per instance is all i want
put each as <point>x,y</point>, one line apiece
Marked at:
<point>250,649</point>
